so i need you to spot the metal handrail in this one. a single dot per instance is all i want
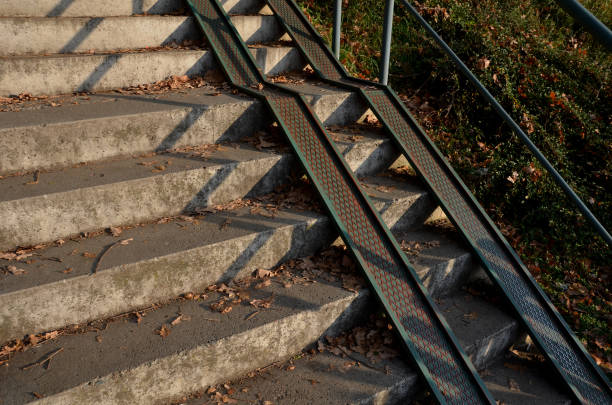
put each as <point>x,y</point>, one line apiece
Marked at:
<point>485,93</point>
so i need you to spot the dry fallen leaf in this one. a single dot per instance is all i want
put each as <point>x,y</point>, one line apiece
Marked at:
<point>115,231</point>
<point>15,271</point>
<point>163,331</point>
<point>90,255</point>
<point>513,385</point>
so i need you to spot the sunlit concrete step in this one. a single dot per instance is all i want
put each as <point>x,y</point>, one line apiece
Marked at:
<point>106,8</point>
<point>59,74</point>
<point>35,35</point>
<point>314,377</point>
<point>128,363</point>
<point>105,125</point>
<point>79,281</point>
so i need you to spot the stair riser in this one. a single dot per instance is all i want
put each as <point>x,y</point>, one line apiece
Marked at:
<point>66,74</point>
<point>171,124</point>
<point>36,36</point>
<point>97,8</point>
<point>193,370</point>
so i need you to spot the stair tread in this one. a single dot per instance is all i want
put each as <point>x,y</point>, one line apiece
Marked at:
<point>126,344</point>
<point>520,383</point>
<point>322,377</point>
<point>112,104</point>
<point>121,170</point>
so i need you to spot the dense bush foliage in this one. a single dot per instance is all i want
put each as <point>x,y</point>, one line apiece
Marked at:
<point>555,81</point>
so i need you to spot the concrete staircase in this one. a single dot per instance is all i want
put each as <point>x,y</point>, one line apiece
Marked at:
<point>137,227</point>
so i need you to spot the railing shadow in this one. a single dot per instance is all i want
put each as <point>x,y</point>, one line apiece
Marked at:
<point>60,8</point>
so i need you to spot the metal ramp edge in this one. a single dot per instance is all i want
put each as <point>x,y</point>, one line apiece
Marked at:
<point>582,377</point>
<point>433,347</point>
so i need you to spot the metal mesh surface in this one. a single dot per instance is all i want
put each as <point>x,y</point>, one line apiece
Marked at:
<point>384,267</point>
<point>501,264</point>
<point>309,42</point>
<point>395,282</point>
<point>237,67</point>
<point>554,336</point>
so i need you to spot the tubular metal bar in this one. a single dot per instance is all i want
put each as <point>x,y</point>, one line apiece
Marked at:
<point>427,337</point>
<point>583,378</point>
<point>337,28</point>
<point>385,55</point>
<point>589,21</point>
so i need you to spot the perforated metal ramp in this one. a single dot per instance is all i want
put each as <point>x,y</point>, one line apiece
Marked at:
<point>428,339</point>
<point>582,377</point>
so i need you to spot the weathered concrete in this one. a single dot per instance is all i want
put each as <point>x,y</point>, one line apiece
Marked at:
<point>35,36</point>
<point>218,248</point>
<point>106,8</point>
<point>387,382</point>
<point>130,191</point>
<point>519,383</point>
<point>60,74</point>
<point>109,125</point>
<point>133,365</point>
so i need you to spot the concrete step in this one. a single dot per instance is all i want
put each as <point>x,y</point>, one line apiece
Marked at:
<point>212,249</point>
<point>315,377</point>
<point>58,74</point>
<point>132,364</point>
<point>126,362</point>
<point>515,382</point>
<point>107,8</point>
<point>59,35</point>
<point>102,126</point>
<point>46,206</point>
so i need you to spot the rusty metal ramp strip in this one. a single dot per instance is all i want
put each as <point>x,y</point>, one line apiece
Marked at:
<point>582,376</point>
<point>433,347</point>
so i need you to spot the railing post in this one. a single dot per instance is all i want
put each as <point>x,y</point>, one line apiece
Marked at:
<point>386,42</point>
<point>337,28</point>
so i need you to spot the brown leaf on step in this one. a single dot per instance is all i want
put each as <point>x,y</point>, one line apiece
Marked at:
<point>126,241</point>
<point>211,390</point>
<point>68,270</point>
<point>8,256</point>
<point>90,255</point>
<point>513,385</point>
<point>180,319</point>
<point>158,168</point>
<point>15,270</point>
<point>313,382</point>
<point>263,284</point>
<point>470,316</point>
<point>37,395</point>
<point>115,231</point>
<point>261,273</point>
<point>264,303</point>
<point>268,403</point>
<point>36,178</point>
<point>99,339</point>
<point>163,331</point>
<point>227,310</point>
<point>225,224</point>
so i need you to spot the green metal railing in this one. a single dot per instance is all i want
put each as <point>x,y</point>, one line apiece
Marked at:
<point>599,30</point>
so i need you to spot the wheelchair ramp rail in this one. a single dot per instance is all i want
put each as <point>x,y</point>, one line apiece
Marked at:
<point>582,377</point>
<point>427,337</point>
